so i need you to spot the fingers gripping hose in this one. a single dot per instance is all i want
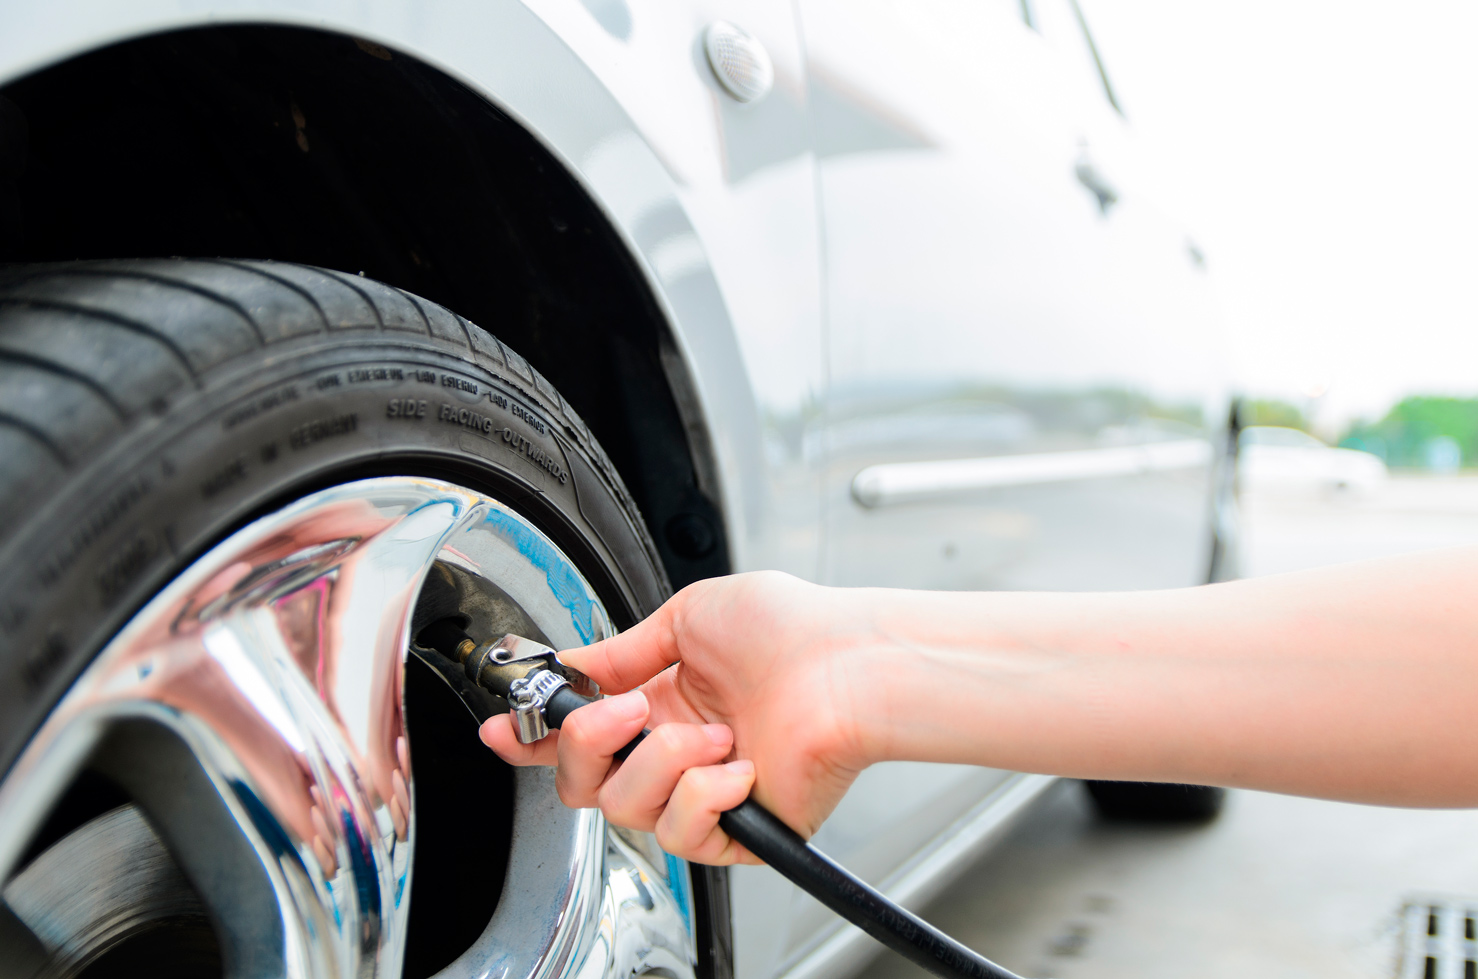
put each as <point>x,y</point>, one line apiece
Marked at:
<point>508,668</point>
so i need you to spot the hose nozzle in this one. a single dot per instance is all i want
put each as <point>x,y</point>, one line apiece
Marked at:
<point>525,673</point>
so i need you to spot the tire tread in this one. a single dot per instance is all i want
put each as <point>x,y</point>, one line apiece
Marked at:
<point>34,434</point>
<point>125,271</point>
<point>117,297</point>
<point>104,318</point>
<point>46,366</point>
<point>347,281</point>
<point>287,283</point>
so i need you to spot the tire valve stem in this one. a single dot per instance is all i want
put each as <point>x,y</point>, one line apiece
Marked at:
<point>539,689</point>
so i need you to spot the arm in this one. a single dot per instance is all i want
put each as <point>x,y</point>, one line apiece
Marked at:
<point>1353,682</point>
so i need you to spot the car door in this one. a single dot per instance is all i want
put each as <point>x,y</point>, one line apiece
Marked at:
<point>1016,350</point>
<point>998,291</point>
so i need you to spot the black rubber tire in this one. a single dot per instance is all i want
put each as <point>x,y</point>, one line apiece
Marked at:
<point>150,407</point>
<point>1156,802</point>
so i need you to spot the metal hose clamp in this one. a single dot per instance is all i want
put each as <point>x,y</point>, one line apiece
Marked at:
<point>527,699</point>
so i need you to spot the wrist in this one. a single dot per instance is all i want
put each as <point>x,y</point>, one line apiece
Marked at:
<point>847,673</point>
<point>971,678</point>
<point>898,661</point>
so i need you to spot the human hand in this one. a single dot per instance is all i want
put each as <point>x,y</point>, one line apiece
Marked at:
<point>763,671</point>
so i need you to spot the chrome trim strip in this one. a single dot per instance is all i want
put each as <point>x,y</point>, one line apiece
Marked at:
<point>846,948</point>
<point>908,482</point>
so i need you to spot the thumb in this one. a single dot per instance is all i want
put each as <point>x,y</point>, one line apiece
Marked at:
<point>629,659</point>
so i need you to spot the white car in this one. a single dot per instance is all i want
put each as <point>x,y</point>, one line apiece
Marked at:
<point>322,321</point>
<point>1279,459</point>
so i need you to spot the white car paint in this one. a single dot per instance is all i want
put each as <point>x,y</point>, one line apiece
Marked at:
<point>1276,458</point>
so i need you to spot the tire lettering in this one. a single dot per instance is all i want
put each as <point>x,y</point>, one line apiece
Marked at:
<point>123,568</point>
<point>361,375</point>
<point>229,474</point>
<point>96,524</point>
<point>521,444</point>
<point>325,428</point>
<point>519,411</point>
<point>466,417</point>
<point>458,384</point>
<point>266,402</point>
<point>405,408</point>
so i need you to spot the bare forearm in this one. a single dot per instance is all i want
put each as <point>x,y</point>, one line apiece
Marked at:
<point>1356,682</point>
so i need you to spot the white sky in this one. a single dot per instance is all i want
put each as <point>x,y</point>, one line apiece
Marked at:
<point>1325,155</point>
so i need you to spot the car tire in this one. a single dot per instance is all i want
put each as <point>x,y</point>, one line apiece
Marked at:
<point>1156,802</point>
<point>150,408</point>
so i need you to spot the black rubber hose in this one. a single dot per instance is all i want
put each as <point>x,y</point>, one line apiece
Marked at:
<point>764,835</point>
<point>564,702</point>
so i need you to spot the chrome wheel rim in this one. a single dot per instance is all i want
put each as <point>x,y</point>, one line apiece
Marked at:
<point>254,712</point>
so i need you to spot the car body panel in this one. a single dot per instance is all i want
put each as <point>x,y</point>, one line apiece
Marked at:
<point>1287,460</point>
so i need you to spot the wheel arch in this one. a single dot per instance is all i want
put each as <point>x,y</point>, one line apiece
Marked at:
<point>272,140</point>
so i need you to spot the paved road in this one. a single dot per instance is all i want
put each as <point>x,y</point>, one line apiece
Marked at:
<point>1277,888</point>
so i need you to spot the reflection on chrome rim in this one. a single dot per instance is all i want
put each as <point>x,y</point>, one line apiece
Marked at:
<point>254,714</point>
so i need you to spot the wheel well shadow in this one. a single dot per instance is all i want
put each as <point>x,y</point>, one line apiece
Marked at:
<point>304,146</point>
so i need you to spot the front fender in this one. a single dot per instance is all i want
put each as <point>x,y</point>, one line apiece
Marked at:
<point>714,201</point>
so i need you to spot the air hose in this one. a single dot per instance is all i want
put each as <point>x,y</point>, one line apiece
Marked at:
<point>540,696</point>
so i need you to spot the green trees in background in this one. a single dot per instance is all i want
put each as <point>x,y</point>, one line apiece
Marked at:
<point>1422,432</point>
<point>1270,411</point>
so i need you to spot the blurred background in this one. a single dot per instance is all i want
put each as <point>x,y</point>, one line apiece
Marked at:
<point>1324,155</point>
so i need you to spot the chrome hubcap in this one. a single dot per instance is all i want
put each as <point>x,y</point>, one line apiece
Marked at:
<point>254,714</point>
